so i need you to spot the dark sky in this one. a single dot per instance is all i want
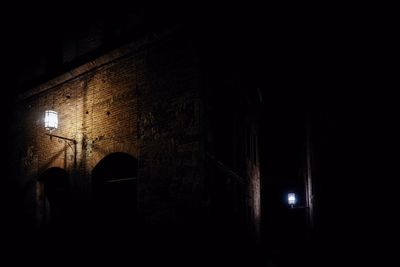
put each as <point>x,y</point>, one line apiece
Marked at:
<point>283,40</point>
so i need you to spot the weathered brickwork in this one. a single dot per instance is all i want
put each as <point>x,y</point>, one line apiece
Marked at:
<point>169,134</point>
<point>192,137</point>
<point>145,104</point>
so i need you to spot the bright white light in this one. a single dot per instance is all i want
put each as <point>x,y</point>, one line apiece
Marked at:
<point>291,198</point>
<point>51,120</point>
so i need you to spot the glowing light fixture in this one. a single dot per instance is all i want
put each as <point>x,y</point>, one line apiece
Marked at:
<point>51,124</point>
<point>51,120</point>
<point>291,199</point>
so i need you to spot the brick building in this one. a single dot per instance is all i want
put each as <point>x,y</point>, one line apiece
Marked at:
<point>154,133</point>
<point>189,125</point>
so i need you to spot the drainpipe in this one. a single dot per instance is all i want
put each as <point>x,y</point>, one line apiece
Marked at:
<point>309,178</point>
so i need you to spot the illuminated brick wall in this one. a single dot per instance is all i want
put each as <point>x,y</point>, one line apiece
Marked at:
<point>155,101</point>
<point>142,99</point>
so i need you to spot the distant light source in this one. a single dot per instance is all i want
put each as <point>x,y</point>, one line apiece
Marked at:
<point>51,120</point>
<point>291,199</point>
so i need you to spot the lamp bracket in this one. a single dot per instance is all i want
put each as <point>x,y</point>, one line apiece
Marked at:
<point>61,137</point>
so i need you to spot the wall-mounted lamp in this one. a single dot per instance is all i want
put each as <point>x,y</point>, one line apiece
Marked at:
<point>51,124</point>
<point>291,199</point>
<point>51,120</point>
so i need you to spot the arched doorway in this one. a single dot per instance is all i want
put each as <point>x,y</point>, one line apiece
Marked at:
<point>53,197</point>
<point>115,192</point>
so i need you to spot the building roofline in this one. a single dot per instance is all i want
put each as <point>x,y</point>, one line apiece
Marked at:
<point>98,62</point>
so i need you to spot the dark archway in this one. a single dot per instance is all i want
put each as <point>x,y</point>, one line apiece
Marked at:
<point>115,192</point>
<point>54,196</point>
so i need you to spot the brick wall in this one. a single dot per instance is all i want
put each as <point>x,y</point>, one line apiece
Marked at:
<point>143,101</point>
<point>169,109</point>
